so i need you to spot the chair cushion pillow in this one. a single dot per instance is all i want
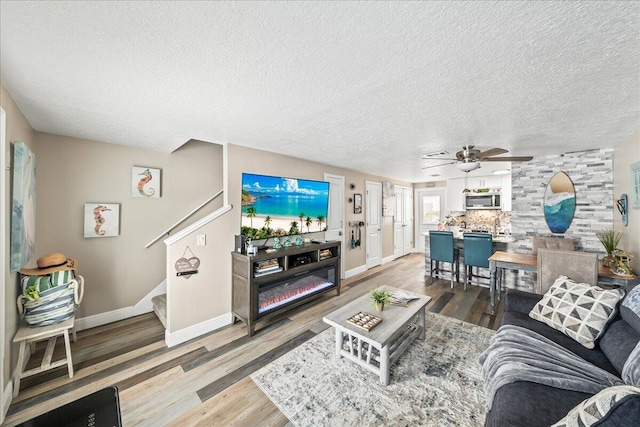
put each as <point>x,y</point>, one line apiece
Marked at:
<point>600,407</point>
<point>579,310</point>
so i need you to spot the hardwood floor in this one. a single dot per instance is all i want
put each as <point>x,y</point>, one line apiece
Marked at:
<point>205,381</point>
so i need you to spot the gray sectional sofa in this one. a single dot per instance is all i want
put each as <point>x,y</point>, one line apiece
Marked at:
<point>530,404</point>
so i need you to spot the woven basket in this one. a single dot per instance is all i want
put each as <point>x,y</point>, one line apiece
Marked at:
<point>54,305</point>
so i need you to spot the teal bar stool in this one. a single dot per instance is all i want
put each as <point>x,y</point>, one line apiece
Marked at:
<point>478,247</point>
<point>441,250</point>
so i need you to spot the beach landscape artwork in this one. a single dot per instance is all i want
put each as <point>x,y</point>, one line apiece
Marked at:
<point>559,203</point>
<point>101,220</point>
<point>23,219</point>
<point>278,206</point>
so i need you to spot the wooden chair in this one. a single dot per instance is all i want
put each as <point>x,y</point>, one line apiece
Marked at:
<point>478,247</point>
<point>581,267</point>
<point>441,249</point>
<point>31,335</point>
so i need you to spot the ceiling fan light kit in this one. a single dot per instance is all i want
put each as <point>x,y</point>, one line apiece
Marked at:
<point>468,167</point>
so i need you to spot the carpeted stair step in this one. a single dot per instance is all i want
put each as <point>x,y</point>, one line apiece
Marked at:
<point>159,303</point>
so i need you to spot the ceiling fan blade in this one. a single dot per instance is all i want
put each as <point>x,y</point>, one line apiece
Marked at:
<point>491,152</point>
<point>442,164</point>
<point>507,159</point>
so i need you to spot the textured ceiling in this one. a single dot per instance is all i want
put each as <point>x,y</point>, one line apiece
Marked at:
<point>369,86</point>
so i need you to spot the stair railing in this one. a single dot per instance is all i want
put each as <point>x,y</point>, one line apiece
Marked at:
<point>187,216</point>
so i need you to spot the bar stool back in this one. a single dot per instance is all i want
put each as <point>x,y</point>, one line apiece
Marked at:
<point>478,247</point>
<point>441,249</point>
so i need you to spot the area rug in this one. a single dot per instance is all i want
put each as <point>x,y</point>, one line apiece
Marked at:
<point>437,382</point>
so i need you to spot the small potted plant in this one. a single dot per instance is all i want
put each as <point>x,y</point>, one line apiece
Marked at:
<point>609,239</point>
<point>379,298</point>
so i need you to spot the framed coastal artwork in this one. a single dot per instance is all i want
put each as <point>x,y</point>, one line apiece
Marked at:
<point>101,220</point>
<point>145,182</point>
<point>559,203</point>
<point>23,218</point>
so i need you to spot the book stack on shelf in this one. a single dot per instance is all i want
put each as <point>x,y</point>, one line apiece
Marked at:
<point>268,266</point>
<point>325,254</point>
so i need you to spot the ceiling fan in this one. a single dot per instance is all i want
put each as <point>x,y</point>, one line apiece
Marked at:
<point>469,158</point>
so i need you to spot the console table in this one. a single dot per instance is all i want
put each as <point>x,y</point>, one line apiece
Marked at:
<point>515,261</point>
<point>270,283</point>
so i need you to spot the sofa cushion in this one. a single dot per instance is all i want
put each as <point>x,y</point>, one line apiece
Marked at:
<point>579,310</point>
<point>630,308</point>
<point>595,356</point>
<point>602,406</point>
<point>618,341</point>
<point>520,301</point>
<point>526,404</point>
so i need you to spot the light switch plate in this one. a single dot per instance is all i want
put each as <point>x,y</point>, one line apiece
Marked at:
<point>202,239</point>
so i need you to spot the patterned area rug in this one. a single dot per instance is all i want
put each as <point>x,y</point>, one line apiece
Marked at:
<point>436,382</point>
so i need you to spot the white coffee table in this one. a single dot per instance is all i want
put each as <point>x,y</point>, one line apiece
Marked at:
<point>379,348</point>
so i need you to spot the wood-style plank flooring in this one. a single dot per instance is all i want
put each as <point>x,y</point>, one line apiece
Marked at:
<point>205,382</point>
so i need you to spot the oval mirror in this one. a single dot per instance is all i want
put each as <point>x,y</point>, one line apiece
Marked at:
<point>559,203</point>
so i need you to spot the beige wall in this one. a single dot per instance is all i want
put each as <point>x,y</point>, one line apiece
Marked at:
<point>242,159</point>
<point>18,129</point>
<point>626,154</point>
<point>118,271</point>
<point>207,295</point>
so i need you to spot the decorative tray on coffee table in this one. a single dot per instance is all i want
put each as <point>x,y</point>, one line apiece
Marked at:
<point>364,321</point>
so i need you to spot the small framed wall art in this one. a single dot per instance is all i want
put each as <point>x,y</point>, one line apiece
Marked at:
<point>357,203</point>
<point>635,185</point>
<point>145,182</point>
<point>101,220</point>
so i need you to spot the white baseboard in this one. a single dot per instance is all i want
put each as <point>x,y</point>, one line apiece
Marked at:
<point>186,334</point>
<point>355,271</point>
<point>7,396</point>
<point>387,259</point>
<point>142,307</point>
<point>103,318</point>
<point>145,305</point>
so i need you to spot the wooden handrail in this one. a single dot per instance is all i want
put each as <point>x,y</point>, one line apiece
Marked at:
<point>170,229</point>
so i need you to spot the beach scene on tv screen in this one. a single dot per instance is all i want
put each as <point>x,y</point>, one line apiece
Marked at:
<point>277,206</point>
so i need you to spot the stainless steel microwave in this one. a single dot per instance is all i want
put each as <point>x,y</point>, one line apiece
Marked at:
<point>483,201</point>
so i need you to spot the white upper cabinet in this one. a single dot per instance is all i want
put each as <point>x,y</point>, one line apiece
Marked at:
<point>491,181</point>
<point>455,201</point>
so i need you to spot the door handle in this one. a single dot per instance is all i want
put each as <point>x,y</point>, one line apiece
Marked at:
<point>339,233</point>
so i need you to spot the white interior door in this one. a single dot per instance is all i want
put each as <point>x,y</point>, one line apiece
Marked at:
<point>373,206</point>
<point>403,222</point>
<point>429,211</point>
<point>398,222</point>
<point>335,217</point>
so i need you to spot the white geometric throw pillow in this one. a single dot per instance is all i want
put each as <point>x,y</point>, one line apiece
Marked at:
<point>578,310</point>
<point>596,407</point>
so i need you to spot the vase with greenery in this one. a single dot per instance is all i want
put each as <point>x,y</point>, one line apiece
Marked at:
<point>379,298</point>
<point>609,239</point>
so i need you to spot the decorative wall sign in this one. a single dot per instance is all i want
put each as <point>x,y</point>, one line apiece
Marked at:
<point>101,220</point>
<point>23,214</point>
<point>387,199</point>
<point>559,203</point>
<point>635,185</point>
<point>357,203</point>
<point>185,267</point>
<point>145,182</point>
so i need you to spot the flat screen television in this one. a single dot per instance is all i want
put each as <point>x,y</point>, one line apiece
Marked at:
<point>279,206</point>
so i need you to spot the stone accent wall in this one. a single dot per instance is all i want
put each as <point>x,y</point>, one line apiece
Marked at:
<point>592,175</point>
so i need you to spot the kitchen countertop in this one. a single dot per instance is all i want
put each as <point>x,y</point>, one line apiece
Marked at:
<point>499,239</point>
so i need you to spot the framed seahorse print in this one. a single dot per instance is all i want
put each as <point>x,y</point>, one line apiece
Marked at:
<point>145,182</point>
<point>101,220</point>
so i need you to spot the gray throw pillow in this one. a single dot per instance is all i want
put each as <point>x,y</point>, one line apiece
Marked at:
<point>579,310</point>
<point>630,308</point>
<point>596,408</point>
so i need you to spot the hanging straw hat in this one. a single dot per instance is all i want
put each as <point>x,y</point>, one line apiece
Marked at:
<point>51,263</point>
